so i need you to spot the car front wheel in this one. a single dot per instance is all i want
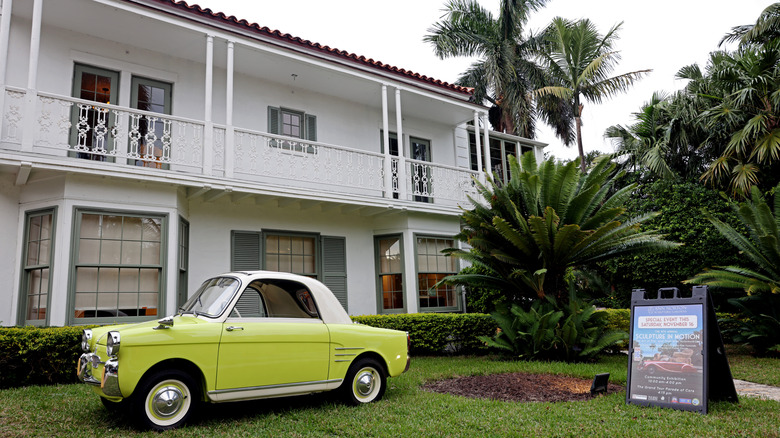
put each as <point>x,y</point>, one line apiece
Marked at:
<point>365,382</point>
<point>166,400</point>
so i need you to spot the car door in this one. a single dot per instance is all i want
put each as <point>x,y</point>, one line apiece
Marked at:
<point>273,336</point>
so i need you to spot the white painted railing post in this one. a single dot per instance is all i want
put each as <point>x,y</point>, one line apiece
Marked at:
<point>488,164</point>
<point>5,31</point>
<point>208,129</point>
<point>478,148</point>
<point>402,178</point>
<point>28,123</point>
<point>230,132</point>
<point>388,166</point>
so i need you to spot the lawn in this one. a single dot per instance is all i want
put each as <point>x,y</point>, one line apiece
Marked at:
<point>73,410</point>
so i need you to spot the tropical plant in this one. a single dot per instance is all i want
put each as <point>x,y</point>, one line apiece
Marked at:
<point>748,110</point>
<point>766,28</point>
<point>578,62</point>
<point>761,247</point>
<point>504,74</point>
<point>759,323</point>
<point>681,218</point>
<point>553,331</point>
<point>548,218</point>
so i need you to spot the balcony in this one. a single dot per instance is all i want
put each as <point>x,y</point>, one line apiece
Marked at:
<point>81,132</point>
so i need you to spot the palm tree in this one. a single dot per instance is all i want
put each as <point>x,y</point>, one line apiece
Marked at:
<point>748,110</point>
<point>765,29</point>
<point>548,218</point>
<point>579,61</point>
<point>503,75</point>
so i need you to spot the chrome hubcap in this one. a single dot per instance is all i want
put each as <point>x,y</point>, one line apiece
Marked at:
<point>364,383</point>
<point>167,401</point>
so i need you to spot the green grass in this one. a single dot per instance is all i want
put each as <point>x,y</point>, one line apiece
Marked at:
<point>406,411</point>
<point>765,370</point>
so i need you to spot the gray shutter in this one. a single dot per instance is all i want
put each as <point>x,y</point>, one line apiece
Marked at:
<point>245,250</point>
<point>334,266</point>
<point>273,120</point>
<point>311,127</point>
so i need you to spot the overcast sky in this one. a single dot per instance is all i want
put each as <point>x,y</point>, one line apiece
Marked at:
<point>662,35</point>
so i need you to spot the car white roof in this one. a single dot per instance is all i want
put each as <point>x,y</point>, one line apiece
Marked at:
<point>330,309</point>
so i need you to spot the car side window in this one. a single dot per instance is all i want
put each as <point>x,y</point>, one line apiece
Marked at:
<point>285,299</point>
<point>250,305</point>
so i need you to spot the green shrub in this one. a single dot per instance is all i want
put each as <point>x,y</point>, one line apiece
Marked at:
<point>38,356</point>
<point>481,299</point>
<point>438,333</point>
<point>549,330</point>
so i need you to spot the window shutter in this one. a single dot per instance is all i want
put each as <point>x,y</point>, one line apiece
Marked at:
<point>273,120</point>
<point>245,250</point>
<point>311,127</point>
<point>334,266</point>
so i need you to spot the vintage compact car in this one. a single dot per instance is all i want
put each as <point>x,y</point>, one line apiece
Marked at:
<point>656,366</point>
<point>241,336</point>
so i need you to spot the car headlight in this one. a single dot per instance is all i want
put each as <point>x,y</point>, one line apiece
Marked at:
<point>112,343</point>
<point>86,335</point>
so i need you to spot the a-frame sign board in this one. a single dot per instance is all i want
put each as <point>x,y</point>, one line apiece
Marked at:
<point>676,355</point>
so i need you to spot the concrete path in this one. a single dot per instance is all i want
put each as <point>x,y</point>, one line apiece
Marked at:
<point>757,390</point>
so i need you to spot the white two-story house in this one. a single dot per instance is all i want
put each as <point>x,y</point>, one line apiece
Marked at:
<point>148,144</point>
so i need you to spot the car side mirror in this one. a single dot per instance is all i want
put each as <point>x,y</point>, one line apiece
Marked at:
<point>165,323</point>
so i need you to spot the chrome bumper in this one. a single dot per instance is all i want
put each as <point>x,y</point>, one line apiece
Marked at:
<point>109,381</point>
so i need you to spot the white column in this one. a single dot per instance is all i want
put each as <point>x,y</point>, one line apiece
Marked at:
<point>401,150</point>
<point>230,131</point>
<point>28,123</point>
<point>388,168</point>
<point>5,29</point>
<point>488,165</point>
<point>208,134</point>
<point>478,148</point>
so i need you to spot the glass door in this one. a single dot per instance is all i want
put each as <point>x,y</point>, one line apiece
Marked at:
<point>90,136</point>
<point>422,186</point>
<point>150,136</point>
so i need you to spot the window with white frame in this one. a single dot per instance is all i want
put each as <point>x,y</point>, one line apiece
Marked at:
<point>432,267</point>
<point>36,265</point>
<point>118,265</point>
<point>500,150</point>
<point>390,275</point>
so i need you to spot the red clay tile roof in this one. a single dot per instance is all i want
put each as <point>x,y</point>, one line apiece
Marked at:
<point>255,28</point>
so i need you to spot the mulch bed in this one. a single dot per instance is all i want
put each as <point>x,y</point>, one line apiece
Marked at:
<point>518,387</point>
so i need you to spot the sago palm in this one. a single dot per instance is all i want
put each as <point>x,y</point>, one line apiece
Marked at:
<point>762,248</point>
<point>548,218</point>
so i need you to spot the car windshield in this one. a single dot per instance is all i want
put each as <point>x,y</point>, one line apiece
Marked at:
<point>212,297</point>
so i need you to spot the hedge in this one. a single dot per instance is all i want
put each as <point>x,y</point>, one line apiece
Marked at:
<point>438,333</point>
<point>38,356</point>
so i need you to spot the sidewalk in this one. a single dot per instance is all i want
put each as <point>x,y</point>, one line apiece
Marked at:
<point>757,390</point>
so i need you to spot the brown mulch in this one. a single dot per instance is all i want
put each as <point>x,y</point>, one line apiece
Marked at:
<point>519,387</point>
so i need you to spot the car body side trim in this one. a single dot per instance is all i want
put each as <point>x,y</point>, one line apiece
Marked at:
<point>256,392</point>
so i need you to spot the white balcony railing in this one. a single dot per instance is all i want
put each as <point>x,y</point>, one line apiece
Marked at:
<point>80,129</point>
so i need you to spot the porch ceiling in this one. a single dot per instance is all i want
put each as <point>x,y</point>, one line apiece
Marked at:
<point>327,77</point>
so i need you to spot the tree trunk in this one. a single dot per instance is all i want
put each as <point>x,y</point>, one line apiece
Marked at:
<point>578,121</point>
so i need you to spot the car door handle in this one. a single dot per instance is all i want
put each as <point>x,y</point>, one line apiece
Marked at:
<point>231,328</point>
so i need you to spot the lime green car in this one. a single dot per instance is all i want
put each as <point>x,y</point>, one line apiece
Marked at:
<point>241,336</point>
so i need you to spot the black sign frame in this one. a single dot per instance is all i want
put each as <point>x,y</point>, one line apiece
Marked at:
<point>700,371</point>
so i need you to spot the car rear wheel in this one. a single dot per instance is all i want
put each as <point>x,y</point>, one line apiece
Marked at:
<point>166,400</point>
<point>366,382</point>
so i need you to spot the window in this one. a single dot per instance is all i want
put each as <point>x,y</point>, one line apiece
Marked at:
<point>90,125</point>
<point>36,267</point>
<point>393,140</point>
<point>290,253</point>
<point>275,298</point>
<point>389,259</point>
<point>500,150</point>
<point>292,123</point>
<point>432,267</point>
<point>153,141</point>
<point>312,255</point>
<point>184,260</point>
<point>118,265</point>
